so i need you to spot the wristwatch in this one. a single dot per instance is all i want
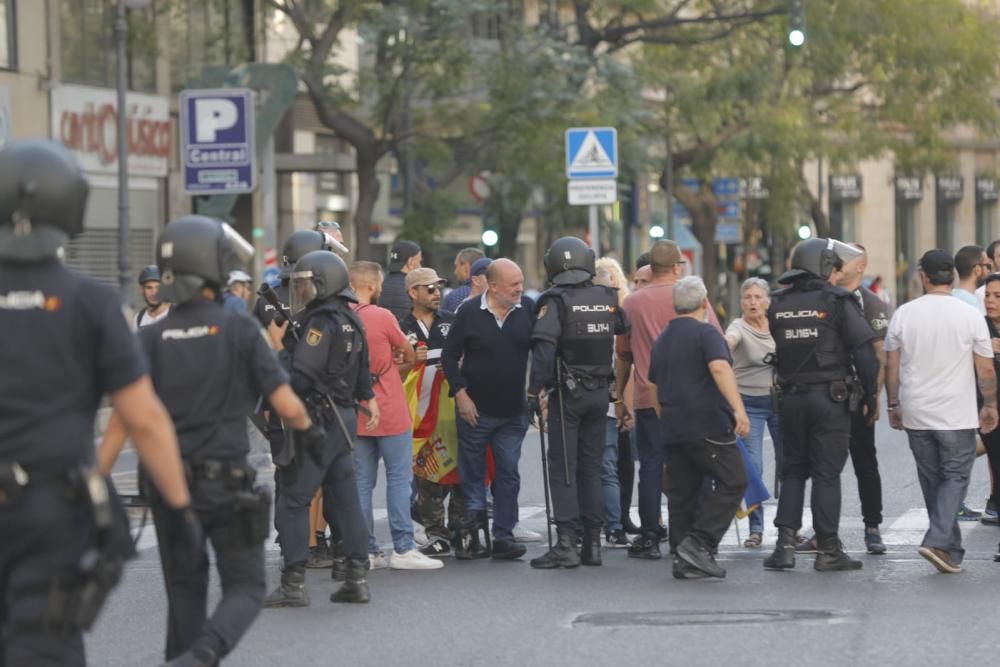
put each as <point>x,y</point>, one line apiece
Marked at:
<point>892,405</point>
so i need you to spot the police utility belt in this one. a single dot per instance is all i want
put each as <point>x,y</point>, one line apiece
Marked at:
<point>575,381</point>
<point>75,598</point>
<point>251,505</point>
<point>848,389</point>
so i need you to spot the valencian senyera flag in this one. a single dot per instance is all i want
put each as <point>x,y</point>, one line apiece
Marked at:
<point>435,436</point>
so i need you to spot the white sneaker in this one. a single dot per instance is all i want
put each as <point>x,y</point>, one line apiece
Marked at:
<point>419,534</point>
<point>524,535</point>
<point>377,561</point>
<point>413,560</point>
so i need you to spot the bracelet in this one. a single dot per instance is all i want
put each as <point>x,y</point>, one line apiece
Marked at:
<point>618,402</point>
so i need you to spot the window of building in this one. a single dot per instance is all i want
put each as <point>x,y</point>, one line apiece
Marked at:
<point>904,250</point>
<point>984,223</point>
<point>8,35</point>
<point>208,33</point>
<point>87,39</point>
<point>944,226</point>
<point>843,220</point>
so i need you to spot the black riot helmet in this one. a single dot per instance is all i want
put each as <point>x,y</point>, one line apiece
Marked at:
<point>196,251</point>
<point>150,273</point>
<point>316,277</point>
<point>43,196</point>
<point>818,258</point>
<point>569,261</point>
<point>298,245</point>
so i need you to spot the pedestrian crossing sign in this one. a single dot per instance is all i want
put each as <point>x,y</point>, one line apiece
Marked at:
<point>591,152</point>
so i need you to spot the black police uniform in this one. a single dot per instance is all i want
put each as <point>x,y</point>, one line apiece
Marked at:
<point>863,454</point>
<point>575,330</point>
<point>209,365</point>
<point>329,362</point>
<point>65,344</point>
<point>818,332</point>
<point>431,495</point>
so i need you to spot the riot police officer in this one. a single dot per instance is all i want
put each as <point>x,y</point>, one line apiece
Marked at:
<point>329,369</point>
<point>66,344</point>
<point>818,332</point>
<point>572,355</point>
<point>209,365</point>
<point>296,246</point>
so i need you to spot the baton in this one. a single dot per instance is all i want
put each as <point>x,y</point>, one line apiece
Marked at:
<point>545,482</point>
<point>562,421</point>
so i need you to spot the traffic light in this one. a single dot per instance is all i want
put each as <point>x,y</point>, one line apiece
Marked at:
<point>796,23</point>
<point>490,238</point>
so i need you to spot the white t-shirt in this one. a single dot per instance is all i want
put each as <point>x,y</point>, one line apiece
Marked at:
<point>937,336</point>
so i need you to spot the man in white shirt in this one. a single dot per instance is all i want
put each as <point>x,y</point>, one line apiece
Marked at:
<point>156,309</point>
<point>937,350</point>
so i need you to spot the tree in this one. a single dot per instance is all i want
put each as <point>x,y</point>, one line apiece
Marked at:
<point>876,77</point>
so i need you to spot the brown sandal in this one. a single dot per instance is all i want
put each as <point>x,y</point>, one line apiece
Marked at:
<point>754,541</point>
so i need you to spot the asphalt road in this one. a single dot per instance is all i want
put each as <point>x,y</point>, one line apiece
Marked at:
<point>896,611</point>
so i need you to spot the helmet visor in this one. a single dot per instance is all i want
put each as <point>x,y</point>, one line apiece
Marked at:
<point>242,251</point>
<point>302,290</point>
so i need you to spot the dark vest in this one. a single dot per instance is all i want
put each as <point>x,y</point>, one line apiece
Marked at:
<point>588,328</point>
<point>803,322</point>
<point>347,349</point>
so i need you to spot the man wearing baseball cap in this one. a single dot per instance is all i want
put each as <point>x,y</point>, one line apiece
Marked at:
<point>404,257</point>
<point>938,351</point>
<point>477,274</point>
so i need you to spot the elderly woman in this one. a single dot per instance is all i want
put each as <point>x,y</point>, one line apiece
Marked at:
<point>616,483</point>
<point>750,341</point>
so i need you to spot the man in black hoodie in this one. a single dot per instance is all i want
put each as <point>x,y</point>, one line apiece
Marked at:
<point>404,257</point>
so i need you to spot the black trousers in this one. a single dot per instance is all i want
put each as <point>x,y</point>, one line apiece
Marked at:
<point>626,472</point>
<point>816,436</point>
<point>866,469</point>
<point>240,568</point>
<point>585,424</point>
<point>992,442</point>
<point>42,536</point>
<point>703,513</point>
<point>335,474</point>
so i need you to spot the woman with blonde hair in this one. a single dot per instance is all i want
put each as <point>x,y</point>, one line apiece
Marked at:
<point>617,467</point>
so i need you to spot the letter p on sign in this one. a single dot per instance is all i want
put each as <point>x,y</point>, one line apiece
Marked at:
<point>213,116</point>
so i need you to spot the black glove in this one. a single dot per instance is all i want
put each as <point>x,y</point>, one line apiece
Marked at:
<point>871,406</point>
<point>187,539</point>
<point>311,442</point>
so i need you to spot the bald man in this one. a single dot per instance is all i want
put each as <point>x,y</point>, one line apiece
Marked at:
<point>491,335</point>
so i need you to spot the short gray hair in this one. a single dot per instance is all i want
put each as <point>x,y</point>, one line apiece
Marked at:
<point>689,295</point>
<point>755,282</point>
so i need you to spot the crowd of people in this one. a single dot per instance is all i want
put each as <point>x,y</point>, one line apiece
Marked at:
<point>361,365</point>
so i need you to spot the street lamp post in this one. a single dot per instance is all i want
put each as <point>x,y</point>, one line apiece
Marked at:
<point>121,44</point>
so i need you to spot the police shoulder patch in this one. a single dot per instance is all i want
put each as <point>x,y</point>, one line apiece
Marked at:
<point>313,337</point>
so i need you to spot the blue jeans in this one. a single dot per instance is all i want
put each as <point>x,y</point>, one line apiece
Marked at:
<point>944,462</point>
<point>505,435</point>
<point>609,479</point>
<point>648,437</point>
<point>396,451</point>
<point>761,412</point>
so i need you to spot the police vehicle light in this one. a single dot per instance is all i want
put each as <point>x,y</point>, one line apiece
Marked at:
<point>804,232</point>
<point>490,238</point>
<point>657,232</point>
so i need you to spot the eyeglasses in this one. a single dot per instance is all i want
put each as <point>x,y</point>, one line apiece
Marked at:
<point>986,265</point>
<point>431,289</point>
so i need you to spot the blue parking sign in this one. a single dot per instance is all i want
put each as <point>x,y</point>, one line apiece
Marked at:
<point>217,141</point>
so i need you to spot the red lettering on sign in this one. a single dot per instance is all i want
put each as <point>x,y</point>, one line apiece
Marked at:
<point>95,130</point>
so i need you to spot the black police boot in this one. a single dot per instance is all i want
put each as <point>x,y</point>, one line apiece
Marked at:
<point>339,570</point>
<point>198,656</point>
<point>783,557</point>
<point>507,550</point>
<point>291,593</point>
<point>590,554</point>
<point>355,588</point>
<point>563,554</point>
<point>467,544</point>
<point>831,557</point>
